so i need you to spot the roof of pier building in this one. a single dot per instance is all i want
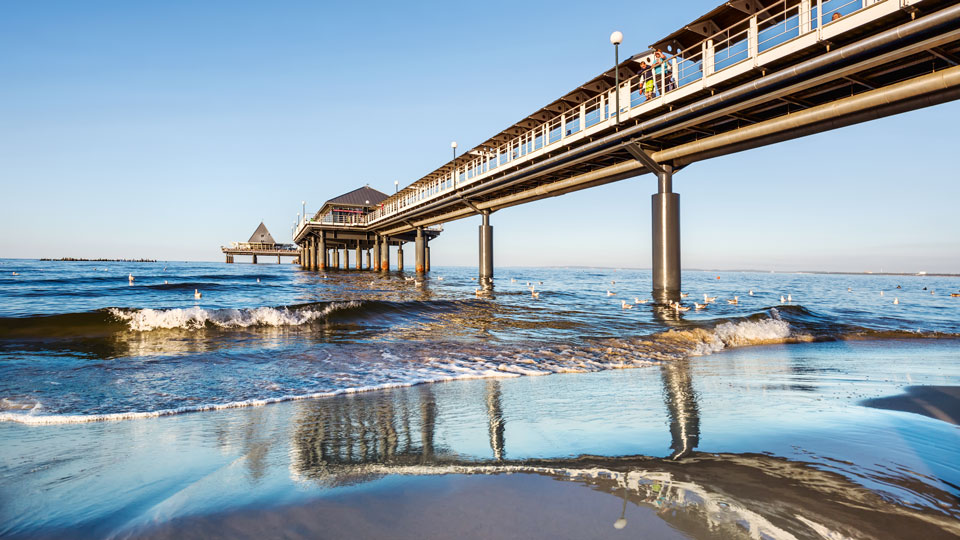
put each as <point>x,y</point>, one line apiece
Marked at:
<point>261,236</point>
<point>726,16</point>
<point>365,198</point>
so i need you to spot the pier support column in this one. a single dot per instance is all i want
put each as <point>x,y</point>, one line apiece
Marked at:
<point>254,259</point>
<point>229,259</point>
<point>359,257</point>
<point>666,238</point>
<point>336,257</point>
<point>346,257</point>
<point>385,254</point>
<point>400,257</point>
<point>426,249</point>
<point>311,253</point>
<point>486,249</point>
<point>368,258</point>
<point>376,253</point>
<point>321,262</point>
<point>420,252</point>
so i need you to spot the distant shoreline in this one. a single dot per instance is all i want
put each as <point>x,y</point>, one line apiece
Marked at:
<point>72,259</point>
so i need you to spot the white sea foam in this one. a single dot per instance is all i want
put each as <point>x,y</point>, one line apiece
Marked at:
<point>143,320</point>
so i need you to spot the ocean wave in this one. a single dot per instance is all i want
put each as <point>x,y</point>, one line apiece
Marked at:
<point>145,320</point>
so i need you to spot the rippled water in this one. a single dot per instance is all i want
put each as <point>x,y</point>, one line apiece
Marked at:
<point>80,341</point>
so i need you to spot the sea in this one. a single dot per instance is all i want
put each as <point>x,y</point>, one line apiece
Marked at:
<point>96,354</point>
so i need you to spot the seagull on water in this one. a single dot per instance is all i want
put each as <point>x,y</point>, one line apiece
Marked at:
<point>611,293</point>
<point>130,278</point>
<point>197,294</point>
<point>625,305</point>
<point>782,299</point>
<point>534,294</point>
<point>896,300</point>
<point>735,301</point>
<point>751,292</point>
<point>699,306</point>
<point>684,295</point>
<point>708,299</point>
<point>639,301</point>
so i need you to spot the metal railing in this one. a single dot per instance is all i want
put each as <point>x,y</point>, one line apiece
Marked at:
<point>763,31</point>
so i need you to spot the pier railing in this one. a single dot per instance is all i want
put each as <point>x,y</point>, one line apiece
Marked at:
<point>759,39</point>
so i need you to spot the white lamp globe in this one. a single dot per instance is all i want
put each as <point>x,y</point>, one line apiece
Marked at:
<point>616,38</point>
<point>453,144</point>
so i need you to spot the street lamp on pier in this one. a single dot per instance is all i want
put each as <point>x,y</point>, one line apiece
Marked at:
<point>616,38</point>
<point>454,146</point>
<point>304,204</point>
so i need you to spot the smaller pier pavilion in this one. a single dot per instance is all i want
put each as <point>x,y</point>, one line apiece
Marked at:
<point>327,239</point>
<point>261,243</point>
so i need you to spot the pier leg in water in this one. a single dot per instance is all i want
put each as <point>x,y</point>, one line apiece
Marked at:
<point>376,253</point>
<point>336,257</point>
<point>346,258</point>
<point>229,259</point>
<point>385,254</point>
<point>486,250</point>
<point>278,259</point>
<point>368,259</point>
<point>322,251</point>
<point>359,257</point>
<point>400,257</point>
<point>420,254</point>
<point>311,252</point>
<point>426,265</point>
<point>666,239</point>
<point>254,259</point>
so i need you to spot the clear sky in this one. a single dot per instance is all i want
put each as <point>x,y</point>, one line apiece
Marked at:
<point>166,129</point>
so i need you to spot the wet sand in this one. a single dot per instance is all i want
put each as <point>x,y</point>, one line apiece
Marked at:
<point>756,442</point>
<point>940,402</point>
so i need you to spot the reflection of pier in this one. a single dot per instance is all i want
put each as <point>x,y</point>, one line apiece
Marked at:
<point>360,438</point>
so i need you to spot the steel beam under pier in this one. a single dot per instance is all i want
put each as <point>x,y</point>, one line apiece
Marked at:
<point>666,238</point>
<point>420,252</point>
<point>486,250</point>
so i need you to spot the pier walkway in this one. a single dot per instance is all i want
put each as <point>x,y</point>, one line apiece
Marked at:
<point>747,74</point>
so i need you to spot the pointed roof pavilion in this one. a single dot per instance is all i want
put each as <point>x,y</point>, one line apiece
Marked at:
<point>365,196</point>
<point>261,236</point>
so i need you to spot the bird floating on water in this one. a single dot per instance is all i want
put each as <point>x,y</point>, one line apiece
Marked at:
<point>534,294</point>
<point>15,274</point>
<point>684,295</point>
<point>751,292</point>
<point>197,294</point>
<point>639,301</point>
<point>440,278</point>
<point>782,299</point>
<point>417,283</point>
<point>130,278</point>
<point>513,280</point>
<point>258,280</point>
<point>735,301</point>
<point>625,305</point>
<point>611,293</point>
<point>699,306</point>
<point>789,298</point>
<point>708,299</point>
<point>896,300</point>
<point>613,282</point>
<point>881,293</point>
<point>165,282</point>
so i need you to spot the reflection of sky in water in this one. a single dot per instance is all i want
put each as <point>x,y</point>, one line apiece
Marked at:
<point>795,402</point>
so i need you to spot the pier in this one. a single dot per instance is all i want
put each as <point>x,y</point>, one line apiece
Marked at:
<point>745,75</point>
<point>261,244</point>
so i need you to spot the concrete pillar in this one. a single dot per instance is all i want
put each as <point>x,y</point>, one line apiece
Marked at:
<point>346,257</point>
<point>321,262</point>
<point>420,254</point>
<point>336,257</point>
<point>426,249</point>
<point>229,259</point>
<point>368,259</point>
<point>278,259</point>
<point>359,257</point>
<point>385,254</point>
<point>311,253</point>
<point>254,259</point>
<point>666,239</point>
<point>486,248</point>
<point>400,257</point>
<point>376,253</point>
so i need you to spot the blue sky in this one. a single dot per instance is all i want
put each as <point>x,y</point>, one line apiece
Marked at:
<point>165,129</point>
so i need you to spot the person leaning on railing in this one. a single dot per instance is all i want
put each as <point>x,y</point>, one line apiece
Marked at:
<point>661,65</point>
<point>646,80</point>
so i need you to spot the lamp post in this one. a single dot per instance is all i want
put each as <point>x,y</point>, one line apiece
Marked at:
<point>396,186</point>
<point>304,204</point>
<point>616,38</point>
<point>454,146</point>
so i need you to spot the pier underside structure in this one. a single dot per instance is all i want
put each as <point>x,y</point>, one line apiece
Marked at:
<point>745,75</point>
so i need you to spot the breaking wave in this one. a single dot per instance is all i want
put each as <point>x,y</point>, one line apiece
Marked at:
<point>145,320</point>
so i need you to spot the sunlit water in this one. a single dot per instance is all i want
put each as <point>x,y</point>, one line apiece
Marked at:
<point>741,420</point>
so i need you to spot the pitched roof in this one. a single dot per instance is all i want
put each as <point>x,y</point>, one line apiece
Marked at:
<point>365,196</point>
<point>261,236</point>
